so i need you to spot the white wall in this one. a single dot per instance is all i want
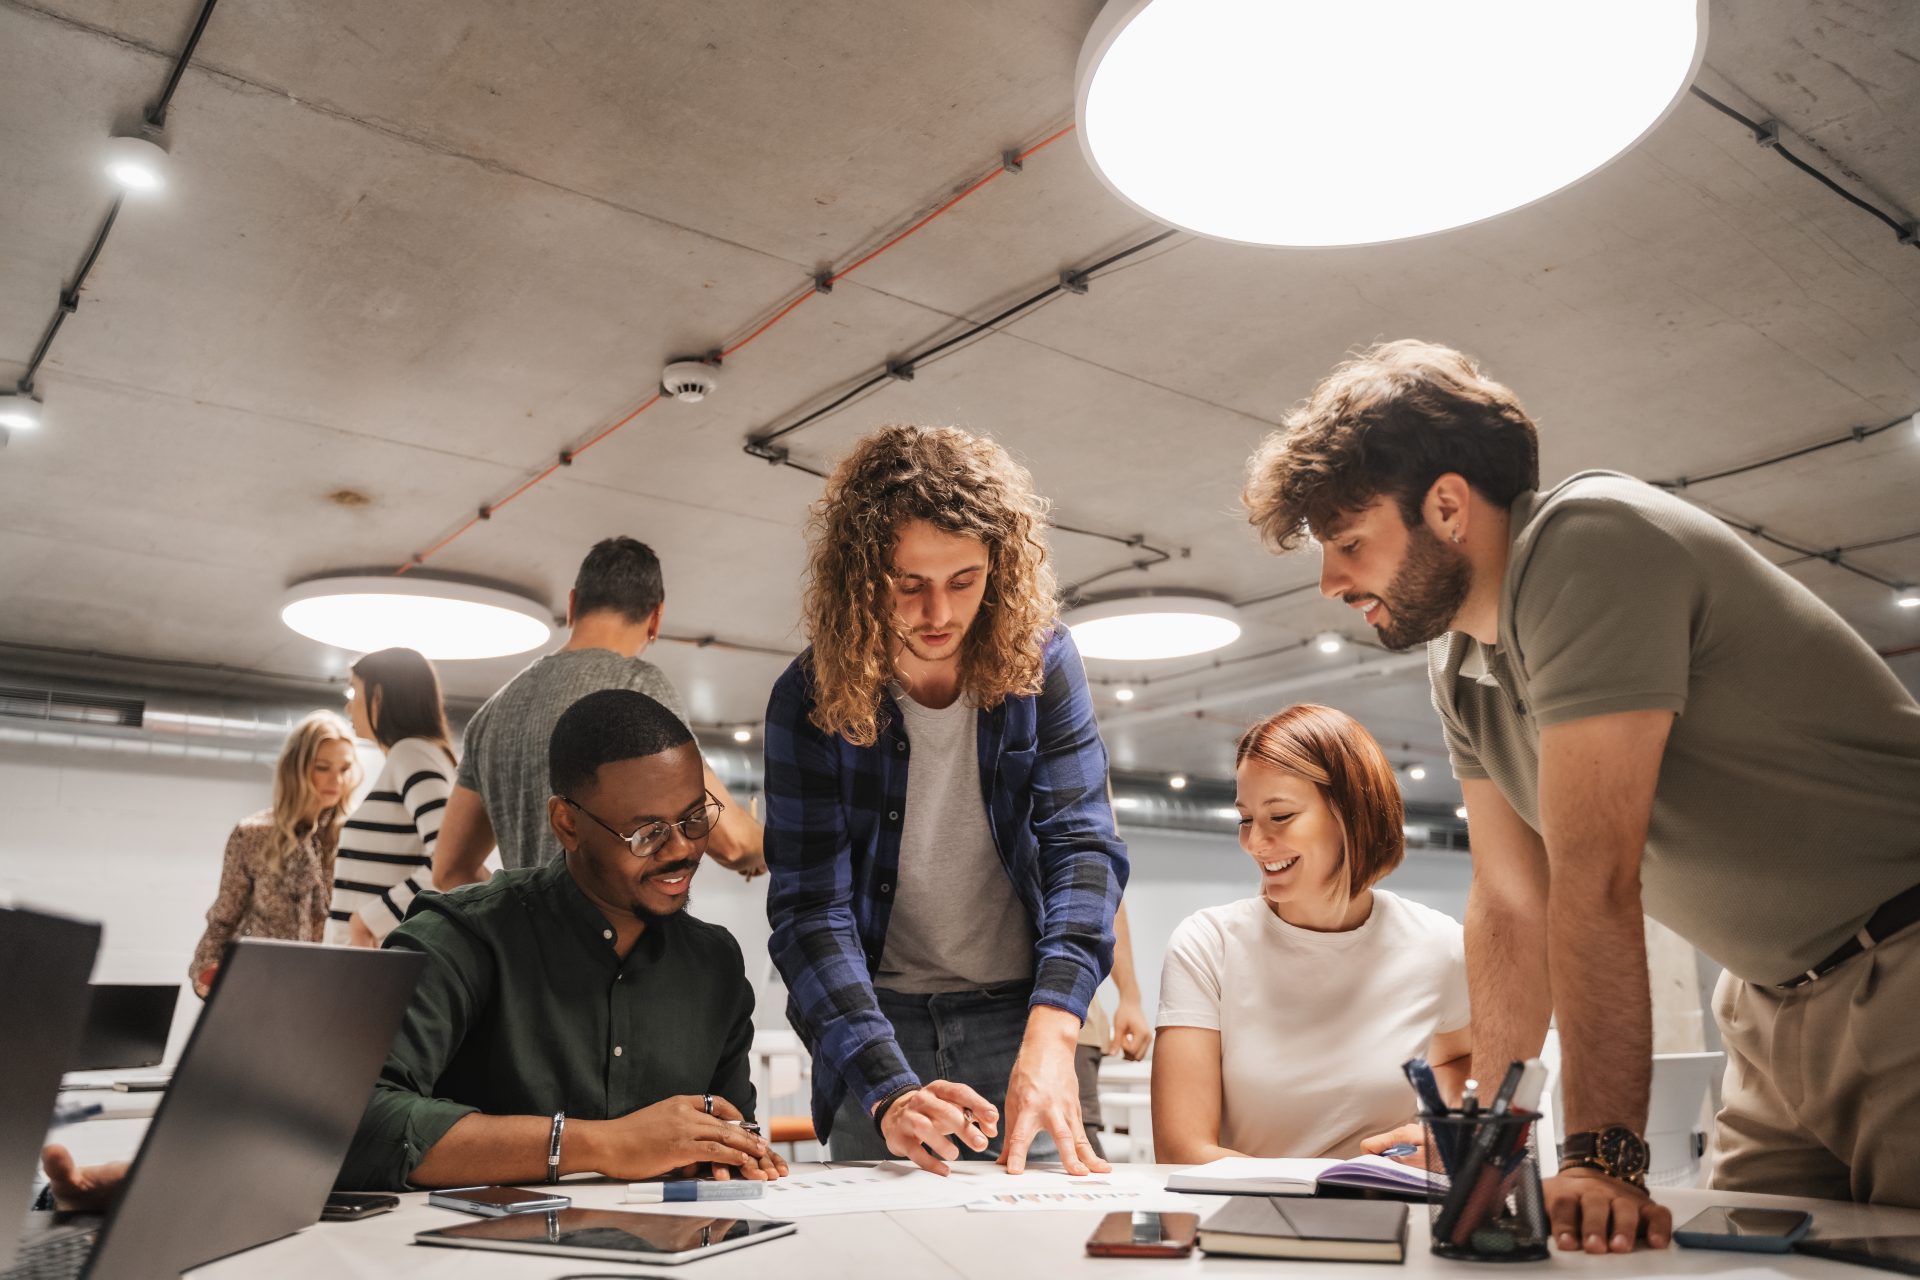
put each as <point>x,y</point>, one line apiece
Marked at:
<point>135,841</point>
<point>131,840</point>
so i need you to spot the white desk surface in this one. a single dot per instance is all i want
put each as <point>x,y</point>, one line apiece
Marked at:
<point>957,1243</point>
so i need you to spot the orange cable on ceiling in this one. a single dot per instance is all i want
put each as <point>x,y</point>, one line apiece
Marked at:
<point>567,456</point>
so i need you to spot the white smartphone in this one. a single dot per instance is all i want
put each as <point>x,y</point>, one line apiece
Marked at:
<point>495,1202</point>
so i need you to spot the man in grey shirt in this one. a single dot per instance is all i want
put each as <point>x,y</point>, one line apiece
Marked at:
<point>500,796</point>
<point>1644,714</point>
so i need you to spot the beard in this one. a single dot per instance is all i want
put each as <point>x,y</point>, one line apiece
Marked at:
<point>1426,594</point>
<point>648,914</point>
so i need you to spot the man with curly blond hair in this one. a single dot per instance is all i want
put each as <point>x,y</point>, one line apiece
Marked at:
<point>944,865</point>
<point>1644,714</point>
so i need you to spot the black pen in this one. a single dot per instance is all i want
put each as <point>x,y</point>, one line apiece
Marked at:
<point>1503,1100</point>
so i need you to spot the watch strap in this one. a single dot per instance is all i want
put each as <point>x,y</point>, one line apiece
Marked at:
<point>553,1146</point>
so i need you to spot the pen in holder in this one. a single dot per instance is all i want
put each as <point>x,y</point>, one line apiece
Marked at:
<point>1491,1209</point>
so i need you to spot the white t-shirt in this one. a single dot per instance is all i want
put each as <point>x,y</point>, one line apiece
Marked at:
<point>1314,1026</point>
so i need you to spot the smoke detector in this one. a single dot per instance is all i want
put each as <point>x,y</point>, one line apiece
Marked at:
<point>689,381</point>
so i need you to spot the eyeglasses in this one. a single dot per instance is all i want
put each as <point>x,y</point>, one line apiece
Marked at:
<point>649,839</point>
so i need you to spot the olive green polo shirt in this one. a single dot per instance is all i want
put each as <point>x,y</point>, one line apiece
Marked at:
<point>1788,803</point>
<point>525,1009</point>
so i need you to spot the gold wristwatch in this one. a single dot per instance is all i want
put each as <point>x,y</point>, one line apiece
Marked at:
<point>1616,1151</point>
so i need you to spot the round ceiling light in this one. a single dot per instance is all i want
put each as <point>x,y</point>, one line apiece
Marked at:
<point>138,161</point>
<point>1145,627</point>
<point>19,412</point>
<point>442,620</point>
<point>1344,124</point>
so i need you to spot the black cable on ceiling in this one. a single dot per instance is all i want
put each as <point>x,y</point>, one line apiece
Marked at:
<point>157,113</point>
<point>1835,556</point>
<point>1853,436</point>
<point>69,299</point>
<point>1767,134</point>
<point>762,446</point>
<point>1281,594</point>
<point>1868,545</point>
<point>902,370</point>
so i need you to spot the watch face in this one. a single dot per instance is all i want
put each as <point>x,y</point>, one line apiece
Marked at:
<point>1622,1151</point>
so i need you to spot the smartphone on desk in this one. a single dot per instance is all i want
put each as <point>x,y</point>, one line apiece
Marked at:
<point>495,1202</point>
<point>1142,1234</point>
<point>1744,1230</point>
<point>351,1206</point>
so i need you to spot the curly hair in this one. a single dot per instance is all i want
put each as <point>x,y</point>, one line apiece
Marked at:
<point>1389,422</point>
<point>961,484</point>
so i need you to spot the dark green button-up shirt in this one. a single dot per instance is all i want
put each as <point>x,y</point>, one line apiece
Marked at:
<point>525,1009</point>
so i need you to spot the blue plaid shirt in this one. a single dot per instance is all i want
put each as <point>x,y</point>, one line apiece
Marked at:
<point>834,818</point>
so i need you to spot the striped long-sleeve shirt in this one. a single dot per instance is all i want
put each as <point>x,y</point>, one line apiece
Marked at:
<point>386,846</point>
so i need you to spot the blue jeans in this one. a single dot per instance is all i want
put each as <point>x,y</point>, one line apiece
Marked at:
<point>969,1037</point>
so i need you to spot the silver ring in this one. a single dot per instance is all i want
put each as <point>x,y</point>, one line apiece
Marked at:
<point>707,1099</point>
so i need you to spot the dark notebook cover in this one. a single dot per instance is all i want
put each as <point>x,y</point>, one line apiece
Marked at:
<point>1293,1227</point>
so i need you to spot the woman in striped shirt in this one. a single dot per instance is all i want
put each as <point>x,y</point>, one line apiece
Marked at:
<point>386,847</point>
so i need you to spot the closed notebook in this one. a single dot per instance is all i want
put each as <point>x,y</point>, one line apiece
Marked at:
<point>1292,1227</point>
<point>1250,1176</point>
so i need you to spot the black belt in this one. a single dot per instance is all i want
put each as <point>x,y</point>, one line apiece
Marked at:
<point>1895,914</point>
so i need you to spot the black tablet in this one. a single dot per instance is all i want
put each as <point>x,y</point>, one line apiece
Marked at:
<point>610,1235</point>
<point>1889,1253</point>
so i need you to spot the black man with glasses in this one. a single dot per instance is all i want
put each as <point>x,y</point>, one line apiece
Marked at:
<point>573,1017</point>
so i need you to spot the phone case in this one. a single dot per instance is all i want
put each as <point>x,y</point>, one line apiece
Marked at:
<point>1115,1237</point>
<point>456,1201</point>
<point>354,1212</point>
<point>1743,1244</point>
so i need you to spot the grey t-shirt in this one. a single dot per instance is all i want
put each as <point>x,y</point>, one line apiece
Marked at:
<point>505,755</point>
<point>1788,804</point>
<point>957,924</point>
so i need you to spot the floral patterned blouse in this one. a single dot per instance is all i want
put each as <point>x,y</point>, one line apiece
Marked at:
<point>290,903</point>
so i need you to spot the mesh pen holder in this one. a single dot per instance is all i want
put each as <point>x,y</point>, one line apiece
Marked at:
<point>1492,1209</point>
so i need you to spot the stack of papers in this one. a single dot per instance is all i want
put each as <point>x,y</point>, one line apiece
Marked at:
<point>897,1185</point>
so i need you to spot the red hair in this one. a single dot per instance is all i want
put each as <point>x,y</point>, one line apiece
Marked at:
<point>1336,754</point>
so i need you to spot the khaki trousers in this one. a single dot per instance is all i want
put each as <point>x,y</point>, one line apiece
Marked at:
<point>1822,1093</point>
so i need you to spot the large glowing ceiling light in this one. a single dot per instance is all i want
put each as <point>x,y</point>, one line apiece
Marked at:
<point>441,619</point>
<point>1345,122</point>
<point>1143,627</point>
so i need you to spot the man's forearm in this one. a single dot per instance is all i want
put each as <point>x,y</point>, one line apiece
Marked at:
<point>466,838</point>
<point>1597,954</point>
<point>482,1149</point>
<point>738,841</point>
<point>1507,983</point>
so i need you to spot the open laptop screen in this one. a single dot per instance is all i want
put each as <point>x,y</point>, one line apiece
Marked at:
<point>44,963</point>
<point>263,1104</point>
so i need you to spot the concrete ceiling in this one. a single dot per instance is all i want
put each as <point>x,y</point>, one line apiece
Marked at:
<point>416,250</point>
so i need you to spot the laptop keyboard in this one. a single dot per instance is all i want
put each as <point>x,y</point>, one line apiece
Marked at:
<point>60,1257</point>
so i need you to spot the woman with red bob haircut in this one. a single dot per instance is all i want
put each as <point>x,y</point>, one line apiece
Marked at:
<point>1285,1017</point>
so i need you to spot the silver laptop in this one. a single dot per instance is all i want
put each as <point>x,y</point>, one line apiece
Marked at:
<point>251,1133</point>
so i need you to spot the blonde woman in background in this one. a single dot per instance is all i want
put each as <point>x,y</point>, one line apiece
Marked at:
<point>279,865</point>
